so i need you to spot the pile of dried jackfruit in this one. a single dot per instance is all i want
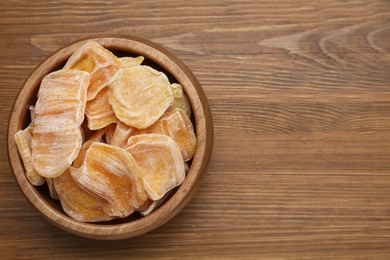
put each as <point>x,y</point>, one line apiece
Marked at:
<point>108,135</point>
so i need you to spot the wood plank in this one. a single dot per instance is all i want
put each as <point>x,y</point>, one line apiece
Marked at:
<point>300,97</point>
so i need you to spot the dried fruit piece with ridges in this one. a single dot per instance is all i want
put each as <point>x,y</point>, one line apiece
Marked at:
<point>54,148</point>
<point>97,137</point>
<point>111,173</point>
<point>98,61</point>
<point>151,205</point>
<point>160,162</point>
<point>128,62</point>
<point>140,95</point>
<point>110,130</point>
<point>99,111</point>
<point>122,134</point>
<point>79,204</point>
<point>58,114</point>
<point>178,126</point>
<point>23,141</point>
<point>62,96</point>
<point>180,99</point>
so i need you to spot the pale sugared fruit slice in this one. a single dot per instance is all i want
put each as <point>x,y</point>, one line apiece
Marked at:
<point>54,148</point>
<point>178,126</point>
<point>23,141</point>
<point>58,114</point>
<point>122,134</point>
<point>180,99</point>
<point>97,137</point>
<point>128,62</point>
<point>99,111</point>
<point>79,204</point>
<point>151,205</point>
<point>112,174</point>
<point>160,162</point>
<point>62,96</point>
<point>76,202</point>
<point>98,61</point>
<point>140,95</point>
<point>110,130</point>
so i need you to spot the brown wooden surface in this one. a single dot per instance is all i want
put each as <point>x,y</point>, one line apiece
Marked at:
<point>300,95</point>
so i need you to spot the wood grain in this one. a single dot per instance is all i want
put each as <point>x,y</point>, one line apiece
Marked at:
<point>300,96</point>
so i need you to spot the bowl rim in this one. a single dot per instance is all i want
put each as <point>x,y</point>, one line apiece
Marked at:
<point>203,127</point>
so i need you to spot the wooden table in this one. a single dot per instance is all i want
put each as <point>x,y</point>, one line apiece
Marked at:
<point>300,95</point>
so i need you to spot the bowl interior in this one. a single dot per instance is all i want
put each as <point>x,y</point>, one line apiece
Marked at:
<point>135,224</point>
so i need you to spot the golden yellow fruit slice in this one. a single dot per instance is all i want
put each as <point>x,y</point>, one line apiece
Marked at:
<point>122,134</point>
<point>79,204</point>
<point>98,61</point>
<point>110,130</point>
<point>151,205</point>
<point>160,162</point>
<point>180,99</point>
<point>128,62</point>
<point>99,111</point>
<point>96,137</point>
<point>140,95</point>
<point>62,96</point>
<point>23,141</point>
<point>54,148</point>
<point>58,114</point>
<point>178,126</point>
<point>112,174</point>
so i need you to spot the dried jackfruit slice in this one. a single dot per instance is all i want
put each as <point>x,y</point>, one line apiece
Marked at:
<point>54,148</point>
<point>97,137</point>
<point>111,173</point>
<point>79,204</point>
<point>76,202</point>
<point>122,134</point>
<point>98,61</point>
<point>110,130</point>
<point>140,95</point>
<point>160,161</point>
<point>23,141</point>
<point>180,99</point>
<point>78,162</point>
<point>128,62</point>
<point>99,111</point>
<point>57,135</point>
<point>62,96</point>
<point>178,126</point>
<point>151,205</point>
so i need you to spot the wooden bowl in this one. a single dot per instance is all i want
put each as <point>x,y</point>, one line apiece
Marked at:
<point>134,225</point>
